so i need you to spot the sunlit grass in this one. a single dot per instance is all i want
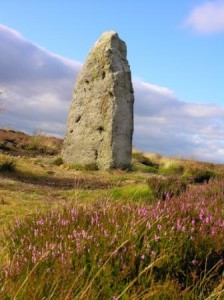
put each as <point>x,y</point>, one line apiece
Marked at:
<point>135,193</point>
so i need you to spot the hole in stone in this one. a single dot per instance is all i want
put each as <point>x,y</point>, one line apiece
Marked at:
<point>103,74</point>
<point>71,131</point>
<point>87,81</point>
<point>100,129</point>
<point>111,94</point>
<point>95,154</point>
<point>77,119</point>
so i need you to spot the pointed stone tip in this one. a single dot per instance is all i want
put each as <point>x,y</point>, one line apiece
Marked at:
<point>109,34</point>
<point>112,39</point>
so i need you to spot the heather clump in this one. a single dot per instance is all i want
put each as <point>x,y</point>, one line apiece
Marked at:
<point>106,246</point>
<point>111,249</point>
<point>198,174</point>
<point>163,187</point>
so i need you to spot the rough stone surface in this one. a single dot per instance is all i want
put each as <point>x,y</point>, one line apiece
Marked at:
<point>100,120</point>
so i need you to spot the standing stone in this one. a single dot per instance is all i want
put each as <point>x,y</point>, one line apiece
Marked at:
<point>100,120</point>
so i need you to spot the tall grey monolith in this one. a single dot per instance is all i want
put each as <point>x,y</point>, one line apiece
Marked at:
<point>100,120</point>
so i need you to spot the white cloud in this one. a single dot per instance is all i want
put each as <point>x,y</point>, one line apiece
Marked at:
<point>39,87</point>
<point>167,125</point>
<point>38,84</point>
<point>202,111</point>
<point>207,18</point>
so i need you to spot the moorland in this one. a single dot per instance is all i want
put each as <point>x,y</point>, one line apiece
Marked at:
<point>152,232</point>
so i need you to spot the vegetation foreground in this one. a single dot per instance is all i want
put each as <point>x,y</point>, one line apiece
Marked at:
<point>155,232</point>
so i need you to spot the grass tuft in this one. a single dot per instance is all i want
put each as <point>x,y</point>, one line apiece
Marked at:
<point>7,164</point>
<point>171,168</point>
<point>58,161</point>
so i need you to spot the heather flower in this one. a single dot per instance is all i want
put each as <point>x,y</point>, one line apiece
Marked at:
<point>201,214</point>
<point>142,211</point>
<point>194,262</point>
<point>178,224</point>
<point>156,238</point>
<point>159,227</point>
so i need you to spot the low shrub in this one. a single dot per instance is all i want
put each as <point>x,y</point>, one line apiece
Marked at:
<point>198,175</point>
<point>7,146</point>
<point>163,187</point>
<point>58,161</point>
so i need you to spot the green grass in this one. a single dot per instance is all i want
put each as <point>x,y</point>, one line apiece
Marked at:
<point>134,193</point>
<point>171,168</point>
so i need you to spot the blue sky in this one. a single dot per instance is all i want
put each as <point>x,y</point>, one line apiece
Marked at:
<point>175,50</point>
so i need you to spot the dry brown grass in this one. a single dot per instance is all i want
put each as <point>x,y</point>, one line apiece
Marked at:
<point>19,143</point>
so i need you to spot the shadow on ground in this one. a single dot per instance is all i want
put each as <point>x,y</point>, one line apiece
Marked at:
<point>65,183</point>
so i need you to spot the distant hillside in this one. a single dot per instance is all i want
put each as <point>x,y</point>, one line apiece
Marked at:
<point>18,143</point>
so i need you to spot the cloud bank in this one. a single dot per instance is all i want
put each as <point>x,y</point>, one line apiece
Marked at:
<point>167,125</point>
<point>39,87</point>
<point>207,18</point>
<point>37,83</point>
